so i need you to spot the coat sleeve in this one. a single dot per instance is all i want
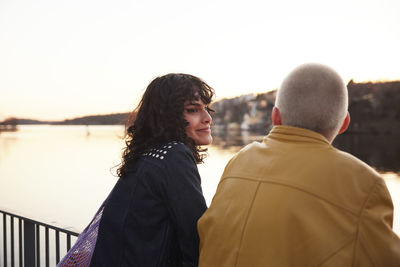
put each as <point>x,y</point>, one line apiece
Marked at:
<point>377,244</point>
<point>186,203</point>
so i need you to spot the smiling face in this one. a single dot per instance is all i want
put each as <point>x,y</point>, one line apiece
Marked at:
<point>197,114</point>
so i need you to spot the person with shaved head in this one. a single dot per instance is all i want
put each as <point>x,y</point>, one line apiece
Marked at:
<point>294,199</point>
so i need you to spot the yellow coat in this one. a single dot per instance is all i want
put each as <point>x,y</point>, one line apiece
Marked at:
<point>294,200</point>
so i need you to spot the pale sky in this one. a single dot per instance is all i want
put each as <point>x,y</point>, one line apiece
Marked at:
<point>62,59</point>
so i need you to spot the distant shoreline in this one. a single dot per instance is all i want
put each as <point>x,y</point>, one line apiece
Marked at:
<point>107,119</point>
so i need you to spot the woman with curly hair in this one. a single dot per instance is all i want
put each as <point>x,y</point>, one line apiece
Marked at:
<point>150,217</point>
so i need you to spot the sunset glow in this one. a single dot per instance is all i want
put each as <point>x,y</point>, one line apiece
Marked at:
<point>62,59</point>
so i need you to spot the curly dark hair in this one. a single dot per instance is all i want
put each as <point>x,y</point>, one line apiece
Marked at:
<point>159,117</point>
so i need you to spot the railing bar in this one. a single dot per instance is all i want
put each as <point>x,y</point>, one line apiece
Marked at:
<point>29,244</point>
<point>68,242</point>
<point>5,238</point>
<point>20,241</point>
<point>57,246</point>
<point>47,247</point>
<point>42,224</point>
<point>12,241</point>
<point>37,245</point>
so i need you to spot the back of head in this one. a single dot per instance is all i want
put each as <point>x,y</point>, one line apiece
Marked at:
<point>314,97</point>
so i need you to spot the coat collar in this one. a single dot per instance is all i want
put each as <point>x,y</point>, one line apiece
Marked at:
<point>295,134</point>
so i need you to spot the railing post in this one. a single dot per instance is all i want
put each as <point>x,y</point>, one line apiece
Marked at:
<point>20,241</point>
<point>12,241</point>
<point>29,244</point>
<point>5,238</point>
<point>57,246</point>
<point>47,247</point>
<point>37,245</point>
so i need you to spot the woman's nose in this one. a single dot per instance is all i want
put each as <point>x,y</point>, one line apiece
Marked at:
<point>207,117</point>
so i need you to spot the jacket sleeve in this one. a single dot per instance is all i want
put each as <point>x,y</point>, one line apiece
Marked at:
<point>377,244</point>
<point>186,203</point>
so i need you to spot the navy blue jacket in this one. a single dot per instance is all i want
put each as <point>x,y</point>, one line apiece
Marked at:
<point>150,217</point>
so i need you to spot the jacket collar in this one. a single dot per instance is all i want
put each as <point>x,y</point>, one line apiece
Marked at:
<point>295,134</point>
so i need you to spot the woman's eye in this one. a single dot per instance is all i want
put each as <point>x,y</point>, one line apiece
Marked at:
<point>209,110</point>
<point>191,110</point>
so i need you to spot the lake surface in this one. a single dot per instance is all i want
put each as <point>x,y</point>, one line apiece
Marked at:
<point>61,174</point>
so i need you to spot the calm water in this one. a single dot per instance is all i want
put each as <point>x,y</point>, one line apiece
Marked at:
<point>61,174</point>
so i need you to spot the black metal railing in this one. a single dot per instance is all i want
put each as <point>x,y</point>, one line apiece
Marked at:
<point>31,243</point>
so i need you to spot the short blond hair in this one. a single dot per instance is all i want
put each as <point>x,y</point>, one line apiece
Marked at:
<point>314,97</point>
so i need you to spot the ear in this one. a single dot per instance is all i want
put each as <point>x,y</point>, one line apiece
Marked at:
<point>345,124</point>
<point>276,117</point>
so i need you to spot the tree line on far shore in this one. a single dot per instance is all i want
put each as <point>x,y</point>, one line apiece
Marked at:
<point>374,109</point>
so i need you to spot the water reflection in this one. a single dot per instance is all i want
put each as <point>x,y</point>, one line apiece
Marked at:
<point>235,138</point>
<point>381,152</point>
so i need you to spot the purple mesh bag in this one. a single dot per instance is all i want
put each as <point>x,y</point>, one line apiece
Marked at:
<point>81,252</point>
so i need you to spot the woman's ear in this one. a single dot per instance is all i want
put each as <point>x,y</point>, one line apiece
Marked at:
<point>345,124</point>
<point>276,117</point>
